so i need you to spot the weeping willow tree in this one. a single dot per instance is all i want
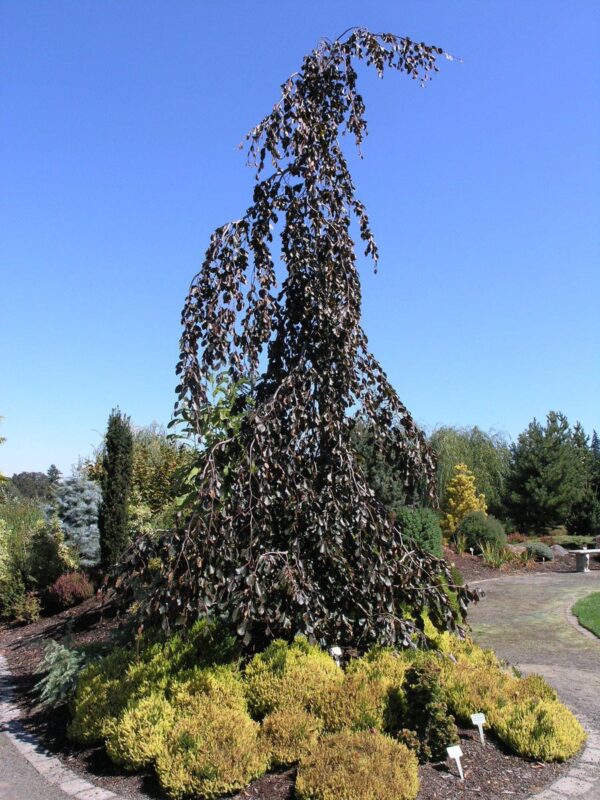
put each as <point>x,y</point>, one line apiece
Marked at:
<point>284,534</point>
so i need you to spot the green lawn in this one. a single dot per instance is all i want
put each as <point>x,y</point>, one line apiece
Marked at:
<point>587,611</point>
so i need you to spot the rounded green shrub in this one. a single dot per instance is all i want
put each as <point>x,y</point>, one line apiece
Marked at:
<point>358,766</point>
<point>290,735</point>
<point>541,729</point>
<point>540,552</point>
<point>286,675</point>
<point>479,529</point>
<point>137,736</point>
<point>422,526</point>
<point>211,754</point>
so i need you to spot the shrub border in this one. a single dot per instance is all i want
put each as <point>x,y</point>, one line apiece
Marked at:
<point>575,783</point>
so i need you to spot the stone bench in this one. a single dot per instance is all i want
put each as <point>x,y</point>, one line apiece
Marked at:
<point>582,563</point>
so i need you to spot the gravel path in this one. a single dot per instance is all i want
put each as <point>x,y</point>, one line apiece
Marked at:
<point>526,619</point>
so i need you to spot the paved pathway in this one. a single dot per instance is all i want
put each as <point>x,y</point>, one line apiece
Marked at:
<point>19,780</point>
<point>526,620</point>
<point>27,770</point>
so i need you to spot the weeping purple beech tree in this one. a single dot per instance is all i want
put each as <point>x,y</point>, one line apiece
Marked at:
<point>282,533</point>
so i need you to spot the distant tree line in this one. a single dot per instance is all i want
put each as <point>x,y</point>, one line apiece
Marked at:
<point>549,478</point>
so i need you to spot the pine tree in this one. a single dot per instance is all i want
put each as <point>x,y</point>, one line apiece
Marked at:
<point>77,505</point>
<point>54,475</point>
<point>548,474</point>
<point>116,485</point>
<point>584,516</point>
<point>595,463</point>
<point>462,498</point>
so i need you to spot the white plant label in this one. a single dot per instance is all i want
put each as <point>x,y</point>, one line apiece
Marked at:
<point>479,720</point>
<point>456,753</point>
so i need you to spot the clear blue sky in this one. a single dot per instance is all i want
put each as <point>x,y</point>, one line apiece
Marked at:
<point>120,121</point>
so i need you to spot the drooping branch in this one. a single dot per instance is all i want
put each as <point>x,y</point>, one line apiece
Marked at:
<point>285,534</point>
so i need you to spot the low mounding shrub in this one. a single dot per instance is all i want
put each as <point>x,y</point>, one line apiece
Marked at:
<point>290,735</point>
<point>137,736</point>
<point>369,696</point>
<point>106,687</point>
<point>68,590</point>
<point>210,754</point>
<point>286,675</point>
<point>383,663</point>
<point>358,766</point>
<point>541,729</point>
<point>101,695</point>
<point>205,645</point>
<point>221,685</point>
<point>522,712</point>
<point>540,552</point>
<point>479,529</point>
<point>422,526</point>
<point>357,703</point>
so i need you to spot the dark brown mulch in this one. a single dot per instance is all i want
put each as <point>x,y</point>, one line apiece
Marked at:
<point>490,772</point>
<point>472,568</point>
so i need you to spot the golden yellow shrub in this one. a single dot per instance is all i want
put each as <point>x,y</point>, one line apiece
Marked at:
<point>106,687</point>
<point>523,712</point>
<point>289,675</point>
<point>211,754</point>
<point>221,685</point>
<point>383,663</point>
<point>358,766</point>
<point>358,703</point>
<point>289,735</point>
<point>541,729</point>
<point>137,736</point>
<point>100,697</point>
<point>462,498</point>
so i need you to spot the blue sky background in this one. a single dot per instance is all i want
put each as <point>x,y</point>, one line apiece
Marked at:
<point>120,121</point>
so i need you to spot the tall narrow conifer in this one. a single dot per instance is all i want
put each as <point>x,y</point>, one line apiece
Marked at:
<point>116,484</point>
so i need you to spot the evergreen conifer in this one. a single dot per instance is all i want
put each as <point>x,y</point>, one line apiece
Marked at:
<point>116,484</point>
<point>549,476</point>
<point>77,506</point>
<point>462,498</point>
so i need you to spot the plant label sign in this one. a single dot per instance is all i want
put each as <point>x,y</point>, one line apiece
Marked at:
<point>479,720</point>
<point>456,753</point>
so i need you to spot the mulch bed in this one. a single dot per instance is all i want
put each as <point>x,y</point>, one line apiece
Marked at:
<point>472,568</point>
<point>490,772</point>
